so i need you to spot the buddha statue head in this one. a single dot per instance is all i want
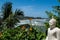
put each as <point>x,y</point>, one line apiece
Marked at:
<point>52,22</point>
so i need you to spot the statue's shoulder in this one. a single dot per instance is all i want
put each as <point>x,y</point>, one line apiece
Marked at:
<point>57,28</point>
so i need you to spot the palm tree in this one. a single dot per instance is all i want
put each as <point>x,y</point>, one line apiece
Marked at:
<point>9,19</point>
<point>6,9</point>
<point>19,13</point>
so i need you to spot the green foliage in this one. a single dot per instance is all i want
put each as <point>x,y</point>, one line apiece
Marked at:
<point>11,21</point>
<point>6,9</point>
<point>46,25</point>
<point>50,14</point>
<point>9,18</point>
<point>8,32</point>
<point>58,0</point>
<point>57,17</point>
<point>20,34</point>
<point>19,12</point>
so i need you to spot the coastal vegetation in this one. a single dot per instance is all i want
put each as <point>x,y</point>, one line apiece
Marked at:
<point>9,19</point>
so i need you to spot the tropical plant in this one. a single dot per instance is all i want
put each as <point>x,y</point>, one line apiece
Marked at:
<point>6,9</point>
<point>19,14</point>
<point>9,18</point>
<point>22,33</point>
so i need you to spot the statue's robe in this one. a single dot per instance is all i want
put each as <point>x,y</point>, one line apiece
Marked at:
<point>53,34</point>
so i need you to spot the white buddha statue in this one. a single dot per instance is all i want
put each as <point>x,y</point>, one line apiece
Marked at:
<point>53,32</point>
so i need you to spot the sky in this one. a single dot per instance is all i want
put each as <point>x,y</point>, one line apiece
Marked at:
<point>32,8</point>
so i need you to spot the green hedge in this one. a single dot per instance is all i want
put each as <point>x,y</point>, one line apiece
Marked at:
<point>22,33</point>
